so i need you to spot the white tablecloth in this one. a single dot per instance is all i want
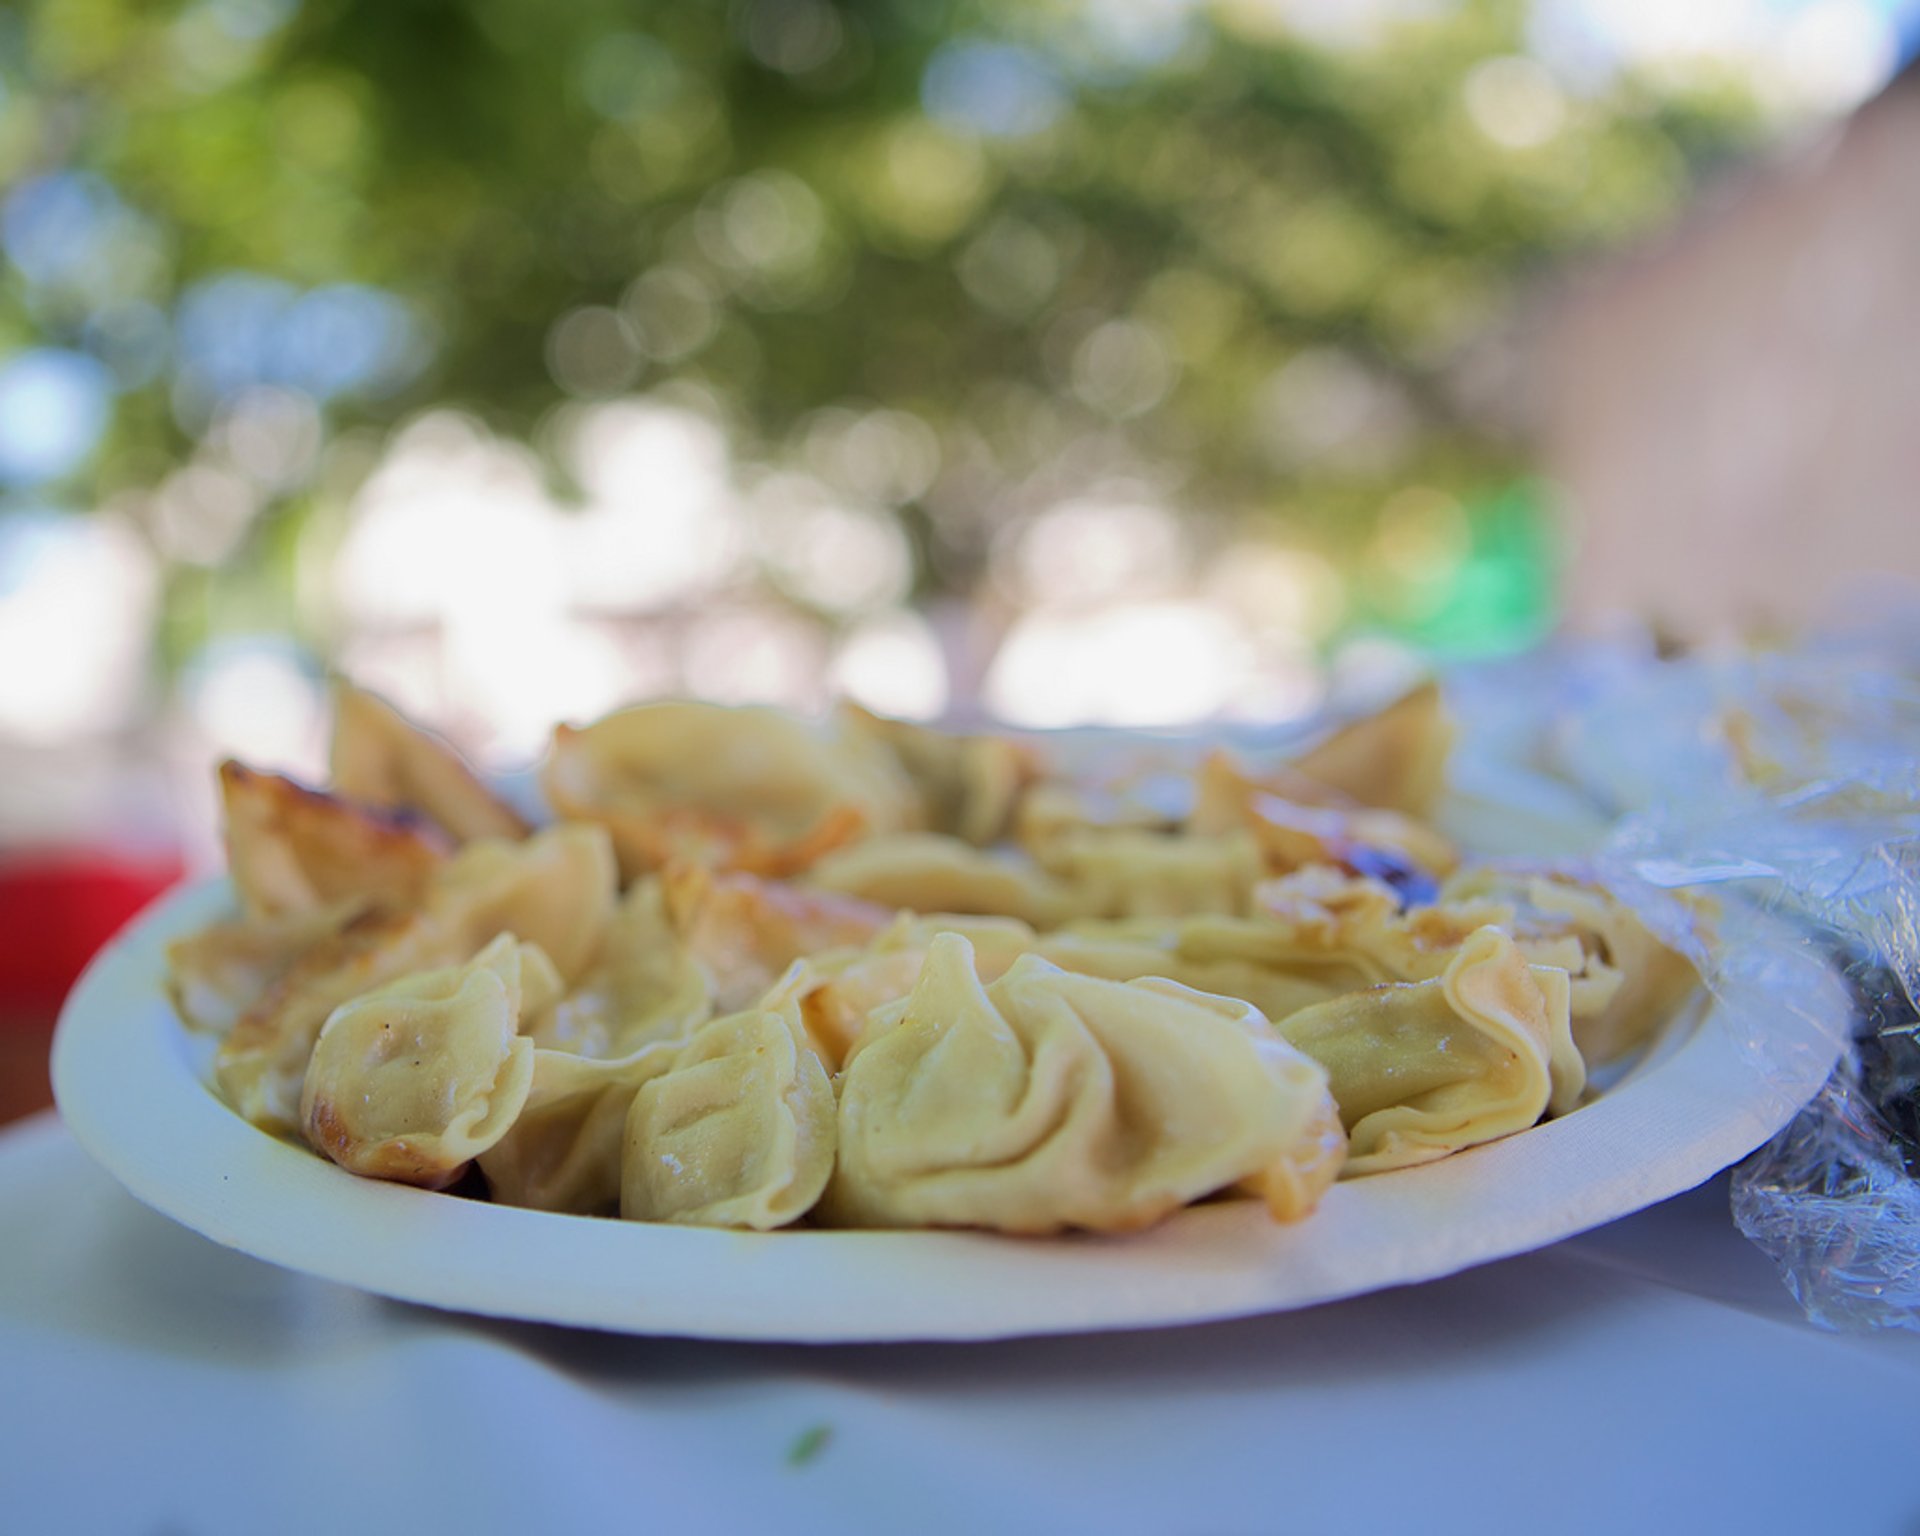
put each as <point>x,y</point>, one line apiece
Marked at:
<point>1650,1376</point>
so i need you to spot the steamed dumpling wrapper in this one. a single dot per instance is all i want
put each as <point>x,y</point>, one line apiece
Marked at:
<point>966,786</point>
<point>735,788</point>
<point>1627,984</point>
<point>1127,951</point>
<point>928,872</point>
<point>1308,938</point>
<point>1424,1069</point>
<point>563,1151</point>
<point>645,985</point>
<point>294,850</point>
<point>1049,1100</point>
<point>1311,935</point>
<point>414,1080</point>
<point>381,758</point>
<point>838,990</point>
<point>691,943</point>
<point>555,890</point>
<point>737,1132</point>
<point>1352,932</point>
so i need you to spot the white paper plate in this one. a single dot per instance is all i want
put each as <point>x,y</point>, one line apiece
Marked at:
<point>124,1074</point>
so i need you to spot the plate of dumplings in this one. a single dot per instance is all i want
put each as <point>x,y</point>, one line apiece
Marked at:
<point>854,1029</point>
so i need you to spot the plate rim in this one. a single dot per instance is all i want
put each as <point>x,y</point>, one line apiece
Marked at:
<point>125,1088</point>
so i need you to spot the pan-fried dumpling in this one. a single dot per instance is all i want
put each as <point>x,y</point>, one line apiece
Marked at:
<point>1395,758</point>
<point>554,890</point>
<point>1049,1100</point>
<point>737,788</point>
<point>1122,872</point>
<point>967,786</point>
<point>381,758</point>
<point>743,932</point>
<point>295,850</point>
<point>1424,1069</point>
<point>563,1151</point>
<point>1295,833</point>
<point>928,872</point>
<point>215,975</point>
<point>1627,983</point>
<point>412,1081</point>
<point>738,1132</point>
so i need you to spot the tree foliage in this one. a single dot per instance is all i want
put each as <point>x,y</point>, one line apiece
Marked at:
<point>1067,236</point>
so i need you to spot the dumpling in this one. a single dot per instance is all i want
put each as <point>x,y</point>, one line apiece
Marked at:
<point>295,850</point>
<point>1395,758</point>
<point>555,890</point>
<point>1320,915</point>
<point>1119,872</point>
<point>929,872</point>
<point>1295,833</point>
<point>743,932</point>
<point>838,990</point>
<point>737,1132</point>
<point>967,786</point>
<point>645,986</point>
<point>1627,982</point>
<point>381,758</point>
<point>737,788</point>
<point>412,1081</point>
<point>563,1151</point>
<point>1049,1100</point>
<point>215,975</point>
<point>1424,1069</point>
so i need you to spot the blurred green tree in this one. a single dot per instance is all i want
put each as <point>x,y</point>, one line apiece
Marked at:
<point>1062,235</point>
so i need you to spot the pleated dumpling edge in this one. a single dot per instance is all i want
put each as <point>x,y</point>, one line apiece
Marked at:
<point>1049,1100</point>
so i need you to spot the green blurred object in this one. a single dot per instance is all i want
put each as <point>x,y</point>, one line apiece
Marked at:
<point>1193,245</point>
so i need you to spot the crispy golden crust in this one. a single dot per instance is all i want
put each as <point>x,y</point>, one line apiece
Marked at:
<point>262,1061</point>
<point>381,758</point>
<point>292,849</point>
<point>216,974</point>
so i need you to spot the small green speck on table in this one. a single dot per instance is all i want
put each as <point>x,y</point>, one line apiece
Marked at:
<point>810,1444</point>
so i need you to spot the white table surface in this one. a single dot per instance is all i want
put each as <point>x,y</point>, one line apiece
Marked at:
<point>1649,1376</point>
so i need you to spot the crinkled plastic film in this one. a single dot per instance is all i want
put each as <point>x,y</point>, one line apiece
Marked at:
<point>1787,790</point>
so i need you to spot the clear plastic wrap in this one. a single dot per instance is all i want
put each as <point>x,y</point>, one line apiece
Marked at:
<point>1786,790</point>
